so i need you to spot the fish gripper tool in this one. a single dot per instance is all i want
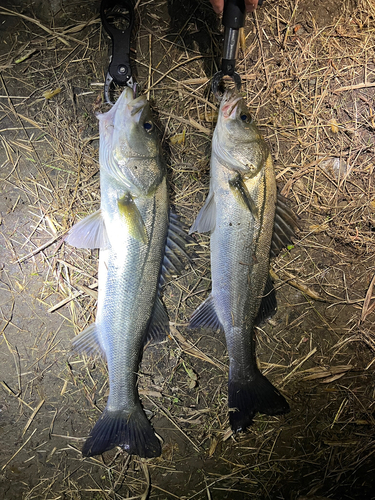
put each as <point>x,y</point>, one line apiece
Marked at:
<point>233,20</point>
<point>117,18</point>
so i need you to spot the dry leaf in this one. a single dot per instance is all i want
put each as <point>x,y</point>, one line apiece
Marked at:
<point>213,446</point>
<point>332,379</point>
<point>319,228</point>
<point>209,115</point>
<point>329,374</point>
<point>51,93</point>
<point>178,138</point>
<point>334,125</point>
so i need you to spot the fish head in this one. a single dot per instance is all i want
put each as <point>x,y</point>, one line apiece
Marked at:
<point>129,144</point>
<point>237,141</point>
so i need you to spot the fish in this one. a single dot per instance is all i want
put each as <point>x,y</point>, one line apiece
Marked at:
<point>141,243</point>
<point>248,222</point>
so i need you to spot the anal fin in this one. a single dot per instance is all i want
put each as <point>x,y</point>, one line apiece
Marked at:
<point>88,342</point>
<point>205,315</point>
<point>159,324</point>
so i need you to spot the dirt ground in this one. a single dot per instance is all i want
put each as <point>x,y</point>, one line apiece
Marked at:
<point>308,72</point>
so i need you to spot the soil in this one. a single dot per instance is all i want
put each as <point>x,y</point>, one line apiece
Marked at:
<point>308,73</point>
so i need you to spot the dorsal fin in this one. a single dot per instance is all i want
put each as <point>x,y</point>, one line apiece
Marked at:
<point>268,304</point>
<point>175,248</point>
<point>174,256</point>
<point>284,226</point>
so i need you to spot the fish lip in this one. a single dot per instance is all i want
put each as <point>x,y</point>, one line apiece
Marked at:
<point>137,105</point>
<point>128,102</point>
<point>229,104</point>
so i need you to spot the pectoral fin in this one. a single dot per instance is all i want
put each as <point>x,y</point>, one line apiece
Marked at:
<point>132,218</point>
<point>242,194</point>
<point>90,232</point>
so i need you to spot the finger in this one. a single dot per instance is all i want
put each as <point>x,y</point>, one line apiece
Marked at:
<point>218,6</point>
<point>251,5</point>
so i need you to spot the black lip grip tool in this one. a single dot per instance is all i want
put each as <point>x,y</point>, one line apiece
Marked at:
<point>233,20</point>
<point>117,18</point>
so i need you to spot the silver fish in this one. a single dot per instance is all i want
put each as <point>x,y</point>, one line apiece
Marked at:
<point>140,240</point>
<point>241,212</point>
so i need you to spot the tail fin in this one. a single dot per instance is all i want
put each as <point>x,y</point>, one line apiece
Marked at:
<point>247,397</point>
<point>131,431</point>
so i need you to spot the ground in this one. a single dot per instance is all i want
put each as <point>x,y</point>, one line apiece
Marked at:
<point>308,78</point>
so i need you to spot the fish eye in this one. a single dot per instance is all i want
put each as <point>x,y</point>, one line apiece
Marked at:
<point>245,118</point>
<point>148,126</point>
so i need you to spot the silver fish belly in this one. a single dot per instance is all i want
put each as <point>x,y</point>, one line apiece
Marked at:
<point>240,213</point>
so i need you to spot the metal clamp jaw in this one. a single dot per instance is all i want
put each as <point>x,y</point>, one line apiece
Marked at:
<point>117,17</point>
<point>233,20</point>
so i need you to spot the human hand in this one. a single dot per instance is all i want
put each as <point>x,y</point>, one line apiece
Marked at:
<point>218,5</point>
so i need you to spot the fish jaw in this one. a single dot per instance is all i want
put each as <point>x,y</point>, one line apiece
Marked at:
<point>129,146</point>
<point>228,105</point>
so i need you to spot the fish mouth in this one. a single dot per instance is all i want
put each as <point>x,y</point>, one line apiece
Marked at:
<point>129,100</point>
<point>229,104</point>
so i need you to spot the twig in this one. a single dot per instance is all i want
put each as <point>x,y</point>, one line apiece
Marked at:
<point>311,353</point>
<point>41,403</point>
<point>195,58</point>
<point>367,309</point>
<point>148,480</point>
<point>42,247</point>
<point>19,449</point>
<point>171,419</point>
<point>354,87</point>
<point>190,349</point>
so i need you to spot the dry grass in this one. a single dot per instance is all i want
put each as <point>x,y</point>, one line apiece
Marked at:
<point>309,81</point>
